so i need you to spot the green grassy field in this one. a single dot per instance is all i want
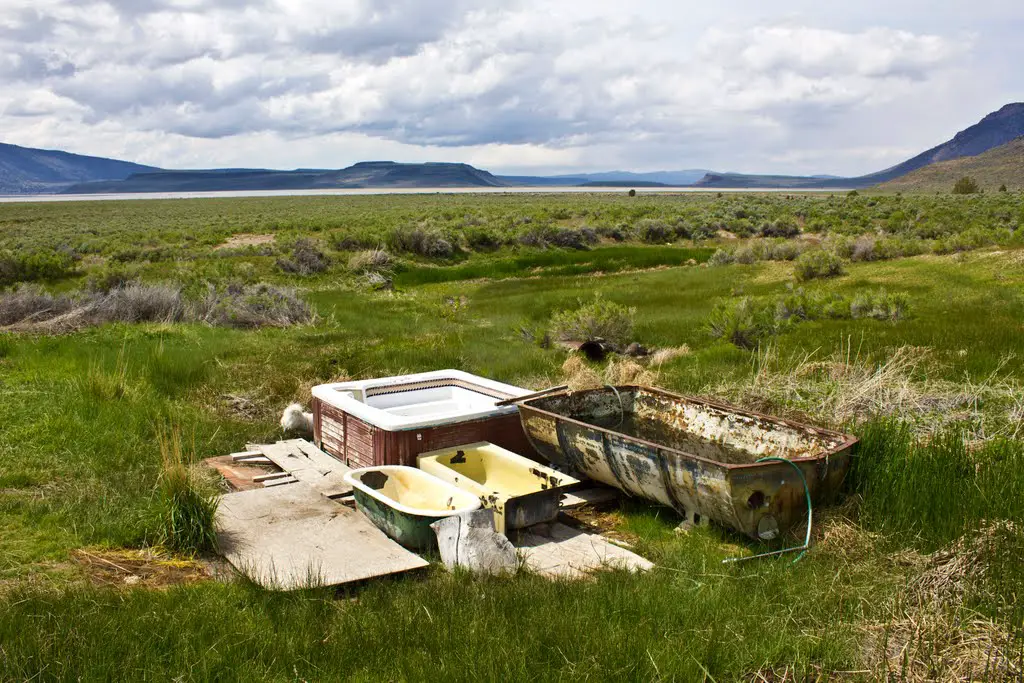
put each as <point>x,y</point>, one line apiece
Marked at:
<point>938,397</point>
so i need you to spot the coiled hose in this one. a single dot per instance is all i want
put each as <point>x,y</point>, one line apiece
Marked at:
<point>810,519</point>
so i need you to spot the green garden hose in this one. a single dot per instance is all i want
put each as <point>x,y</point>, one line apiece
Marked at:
<point>810,519</point>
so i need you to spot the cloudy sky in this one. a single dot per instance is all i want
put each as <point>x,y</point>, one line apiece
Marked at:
<point>791,86</point>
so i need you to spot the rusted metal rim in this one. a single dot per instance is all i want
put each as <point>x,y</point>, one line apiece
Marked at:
<point>848,440</point>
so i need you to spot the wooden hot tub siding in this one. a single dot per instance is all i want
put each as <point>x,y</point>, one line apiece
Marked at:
<point>359,444</point>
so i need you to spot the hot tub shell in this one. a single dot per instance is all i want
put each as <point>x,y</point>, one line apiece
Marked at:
<point>391,420</point>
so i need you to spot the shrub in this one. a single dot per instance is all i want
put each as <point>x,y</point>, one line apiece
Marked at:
<point>306,259</point>
<point>749,253</point>
<point>863,249</point>
<point>111,278</point>
<point>370,261</point>
<point>742,323</point>
<point>136,303</point>
<point>349,242</point>
<point>781,227</point>
<point>251,306</point>
<point>29,302</point>
<point>482,239</point>
<point>600,319</point>
<point>798,306</point>
<point>34,265</point>
<point>573,239</point>
<point>420,241</point>
<point>817,264</point>
<point>721,257</point>
<point>966,185</point>
<point>879,305</point>
<point>655,231</point>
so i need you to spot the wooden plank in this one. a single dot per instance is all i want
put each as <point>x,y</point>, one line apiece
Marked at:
<point>272,475</point>
<point>559,551</point>
<point>318,458</point>
<point>246,455</point>
<point>281,481</point>
<point>291,537</point>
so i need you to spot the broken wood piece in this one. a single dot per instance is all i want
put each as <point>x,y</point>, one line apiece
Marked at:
<point>272,475</point>
<point>469,540</point>
<point>246,455</point>
<point>280,481</point>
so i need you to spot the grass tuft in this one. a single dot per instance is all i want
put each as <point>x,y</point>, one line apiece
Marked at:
<point>600,319</point>
<point>187,511</point>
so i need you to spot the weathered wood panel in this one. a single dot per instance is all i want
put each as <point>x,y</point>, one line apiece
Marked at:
<point>290,537</point>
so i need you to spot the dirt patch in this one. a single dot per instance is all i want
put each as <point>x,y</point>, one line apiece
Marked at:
<point>245,240</point>
<point>604,519</point>
<point>238,476</point>
<point>139,568</point>
<point>241,406</point>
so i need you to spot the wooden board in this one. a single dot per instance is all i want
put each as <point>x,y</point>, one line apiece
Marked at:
<point>289,537</point>
<point>559,551</point>
<point>307,463</point>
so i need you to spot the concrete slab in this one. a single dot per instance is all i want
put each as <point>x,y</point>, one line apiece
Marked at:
<point>289,537</point>
<point>559,551</point>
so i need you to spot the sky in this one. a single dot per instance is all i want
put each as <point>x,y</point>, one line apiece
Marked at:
<point>513,86</point>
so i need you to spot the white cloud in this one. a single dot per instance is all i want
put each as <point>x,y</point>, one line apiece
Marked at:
<point>506,85</point>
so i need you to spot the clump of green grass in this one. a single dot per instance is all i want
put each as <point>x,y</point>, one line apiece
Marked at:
<point>933,491</point>
<point>880,305</point>
<point>187,511</point>
<point>817,264</point>
<point>747,321</point>
<point>600,319</point>
<point>100,385</point>
<point>27,266</point>
<point>743,323</point>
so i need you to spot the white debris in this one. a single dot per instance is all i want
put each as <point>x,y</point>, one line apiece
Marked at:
<point>296,420</point>
<point>469,540</point>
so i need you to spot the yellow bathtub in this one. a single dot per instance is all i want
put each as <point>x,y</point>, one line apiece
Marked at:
<point>520,491</point>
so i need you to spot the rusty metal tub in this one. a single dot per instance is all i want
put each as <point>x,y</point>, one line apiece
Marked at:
<point>697,456</point>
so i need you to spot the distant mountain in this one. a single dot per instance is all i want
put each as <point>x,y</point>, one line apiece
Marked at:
<point>610,179</point>
<point>1002,165</point>
<point>994,130</point>
<point>772,182</point>
<point>365,174</point>
<point>24,170</point>
<point>685,177</point>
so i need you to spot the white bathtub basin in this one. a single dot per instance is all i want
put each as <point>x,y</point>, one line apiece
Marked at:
<point>426,399</point>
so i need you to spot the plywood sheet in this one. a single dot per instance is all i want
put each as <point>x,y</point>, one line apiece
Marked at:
<point>288,537</point>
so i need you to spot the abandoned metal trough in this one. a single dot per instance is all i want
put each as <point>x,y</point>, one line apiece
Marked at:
<point>696,456</point>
